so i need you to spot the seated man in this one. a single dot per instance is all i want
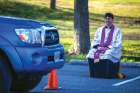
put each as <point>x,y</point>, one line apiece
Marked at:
<point>106,45</point>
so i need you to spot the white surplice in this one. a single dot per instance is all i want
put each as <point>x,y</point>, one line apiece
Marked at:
<point>114,51</point>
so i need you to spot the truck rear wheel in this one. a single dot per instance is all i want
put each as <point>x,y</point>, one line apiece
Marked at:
<point>26,83</point>
<point>5,78</point>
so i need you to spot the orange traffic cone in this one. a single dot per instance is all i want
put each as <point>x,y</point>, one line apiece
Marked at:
<point>52,81</point>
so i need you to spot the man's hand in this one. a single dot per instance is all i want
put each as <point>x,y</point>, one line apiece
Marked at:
<point>102,48</point>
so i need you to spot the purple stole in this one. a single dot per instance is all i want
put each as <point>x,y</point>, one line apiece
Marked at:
<point>102,43</point>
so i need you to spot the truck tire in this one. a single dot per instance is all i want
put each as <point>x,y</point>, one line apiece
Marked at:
<point>5,78</point>
<point>25,83</point>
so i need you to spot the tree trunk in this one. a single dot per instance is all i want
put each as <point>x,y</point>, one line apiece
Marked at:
<point>53,4</point>
<point>81,27</point>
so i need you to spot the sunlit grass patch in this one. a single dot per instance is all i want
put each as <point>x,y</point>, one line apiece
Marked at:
<point>118,7</point>
<point>131,48</point>
<point>67,42</point>
<point>77,57</point>
<point>128,60</point>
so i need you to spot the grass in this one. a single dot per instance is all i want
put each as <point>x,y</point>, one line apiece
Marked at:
<point>118,7</point>
<point>127,16</point>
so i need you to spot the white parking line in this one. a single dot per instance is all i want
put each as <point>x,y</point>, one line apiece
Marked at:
<point>126,81</point>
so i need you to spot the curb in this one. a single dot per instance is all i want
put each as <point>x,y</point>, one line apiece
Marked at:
<point>85,62</point>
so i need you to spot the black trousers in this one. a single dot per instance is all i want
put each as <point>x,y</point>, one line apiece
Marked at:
<point>105,68</point>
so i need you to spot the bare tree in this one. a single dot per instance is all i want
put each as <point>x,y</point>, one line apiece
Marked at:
<point>81,27</point>
<point>53,4</point>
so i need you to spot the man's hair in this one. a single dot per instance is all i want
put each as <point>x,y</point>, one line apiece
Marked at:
<point>109,15</point>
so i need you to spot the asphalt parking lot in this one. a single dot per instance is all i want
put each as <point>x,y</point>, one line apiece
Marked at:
<point>74,78</point>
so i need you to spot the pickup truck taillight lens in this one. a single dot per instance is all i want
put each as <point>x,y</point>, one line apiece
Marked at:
<point>31,36</point>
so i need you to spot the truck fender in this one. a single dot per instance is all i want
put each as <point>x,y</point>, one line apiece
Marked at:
<point>9,50</point>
